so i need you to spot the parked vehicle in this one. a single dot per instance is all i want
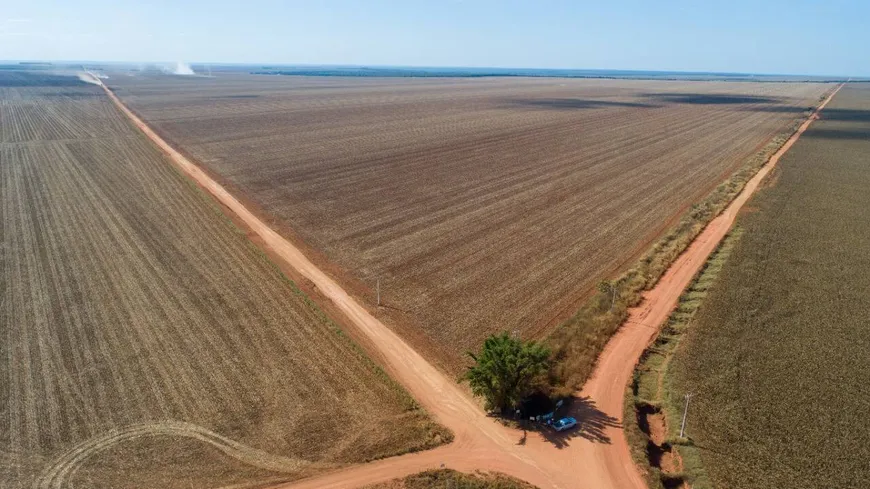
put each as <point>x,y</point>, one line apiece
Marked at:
<point>564,424</point>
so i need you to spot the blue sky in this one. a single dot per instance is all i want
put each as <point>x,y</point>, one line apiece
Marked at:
<point>776,36</point>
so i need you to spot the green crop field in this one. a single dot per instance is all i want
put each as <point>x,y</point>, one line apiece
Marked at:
<point>144,341</point>
<point>777,356</point>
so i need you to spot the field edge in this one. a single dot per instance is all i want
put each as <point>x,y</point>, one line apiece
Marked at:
<point>651,418</point>
<point>578,342</point>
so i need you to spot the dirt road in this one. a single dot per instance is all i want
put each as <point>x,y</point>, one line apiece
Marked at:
<point>594,456</point>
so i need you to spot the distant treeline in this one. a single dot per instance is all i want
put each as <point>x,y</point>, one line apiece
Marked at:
<point>400,72</point>
<point>392,73</point>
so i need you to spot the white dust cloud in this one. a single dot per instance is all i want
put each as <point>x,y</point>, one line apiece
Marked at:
<point>182,68</point>
<point>88,78</point>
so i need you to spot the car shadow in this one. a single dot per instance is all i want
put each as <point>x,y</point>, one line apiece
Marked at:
<point>592,424</point>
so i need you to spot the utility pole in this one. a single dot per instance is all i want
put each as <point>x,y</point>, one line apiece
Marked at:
<point>379,292</point>
<point>685,411</point>
<point>606,287</point>
<point>614,289</point>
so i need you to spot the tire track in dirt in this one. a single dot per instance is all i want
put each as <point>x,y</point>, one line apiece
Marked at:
<point>63,469</point>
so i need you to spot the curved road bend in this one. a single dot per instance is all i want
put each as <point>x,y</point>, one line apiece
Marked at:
<point>594,456</point>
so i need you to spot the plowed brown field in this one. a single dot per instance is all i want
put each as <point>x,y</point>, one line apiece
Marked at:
<point>145,341</point>
<point>480,204</point>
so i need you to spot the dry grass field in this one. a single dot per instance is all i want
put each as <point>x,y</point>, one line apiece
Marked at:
<point>481,204</point>
<point>451,479</point>
<point>777,355</point>
<point>145,341</point>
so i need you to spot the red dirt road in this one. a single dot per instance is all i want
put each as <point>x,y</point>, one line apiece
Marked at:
<point>594,456</point>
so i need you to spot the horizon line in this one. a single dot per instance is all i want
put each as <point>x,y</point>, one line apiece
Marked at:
<point>466,67</point>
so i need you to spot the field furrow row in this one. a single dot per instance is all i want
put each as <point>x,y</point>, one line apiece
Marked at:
<point>480,205</point>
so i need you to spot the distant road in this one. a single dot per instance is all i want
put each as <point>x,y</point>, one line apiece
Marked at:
<point>595,455</point>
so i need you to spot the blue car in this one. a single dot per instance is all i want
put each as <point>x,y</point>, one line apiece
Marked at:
<point>564,424</point>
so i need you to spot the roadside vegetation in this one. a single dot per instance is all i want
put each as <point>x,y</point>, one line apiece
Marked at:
<point>776,357</point>
<point>507,370</point>
<point>652,421</point>
<point>451,479</point>
<point>146,341</point>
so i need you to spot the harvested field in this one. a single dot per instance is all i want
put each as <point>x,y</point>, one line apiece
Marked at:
<point>481,204</point>
<point>146,341</point>
<point>777,353</point>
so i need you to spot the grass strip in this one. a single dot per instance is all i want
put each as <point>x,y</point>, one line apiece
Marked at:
<point>451,479</point>
<point>650,391</point>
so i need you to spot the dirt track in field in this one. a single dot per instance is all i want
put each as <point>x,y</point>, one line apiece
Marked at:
<point>595,455</point>
<point>58,475</point>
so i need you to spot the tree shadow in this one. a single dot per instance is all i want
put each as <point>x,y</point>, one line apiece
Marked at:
<point>787,109</point>
<point>712,98</point>
<point>845,115</point>
<point>592,423</point>
<point>574,103</point>
<point>843,134</point>
<point>843,124</point>
<point>841,115</point>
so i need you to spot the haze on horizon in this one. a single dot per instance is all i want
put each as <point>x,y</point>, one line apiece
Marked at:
<point>779,37</point>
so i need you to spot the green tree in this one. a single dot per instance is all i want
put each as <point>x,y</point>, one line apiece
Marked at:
<point>506,370</point>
